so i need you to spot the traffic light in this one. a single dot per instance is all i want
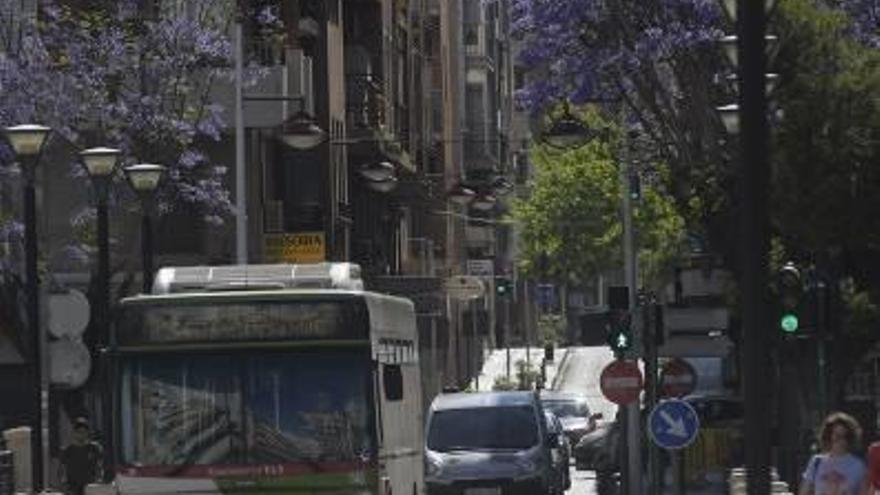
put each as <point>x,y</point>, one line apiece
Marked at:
<point>503,287</point>
<point>619,331</point>
<point>635,186</point>
<point>791,294</point>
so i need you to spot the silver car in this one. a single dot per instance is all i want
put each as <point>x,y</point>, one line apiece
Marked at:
<point>491,443</point>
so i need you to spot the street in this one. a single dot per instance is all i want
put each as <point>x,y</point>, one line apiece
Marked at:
<point>580,374</point>
<point>582,482</point>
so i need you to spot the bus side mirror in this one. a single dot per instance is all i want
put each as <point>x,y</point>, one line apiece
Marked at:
<point>392,377</point>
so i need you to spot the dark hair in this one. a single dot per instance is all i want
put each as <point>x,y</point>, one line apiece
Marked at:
<point>853,431</point>
<point>80,422</point>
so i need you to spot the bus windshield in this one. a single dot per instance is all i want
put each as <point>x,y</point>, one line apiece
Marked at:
<point>240,408</point>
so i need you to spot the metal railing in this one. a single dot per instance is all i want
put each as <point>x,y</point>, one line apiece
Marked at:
<point>364,102</point>
<point>265,51</point>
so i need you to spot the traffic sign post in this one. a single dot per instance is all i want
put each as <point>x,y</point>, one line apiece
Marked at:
<point>673,424</point>
<point>678,378</point>
<point>464,287</point>
<point>621,382</point>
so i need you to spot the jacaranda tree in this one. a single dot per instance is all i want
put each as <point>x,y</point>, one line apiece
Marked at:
<point>657,66</point>
<point>114,73</point>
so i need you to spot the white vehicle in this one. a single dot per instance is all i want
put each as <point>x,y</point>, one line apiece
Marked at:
<point>276,378</point>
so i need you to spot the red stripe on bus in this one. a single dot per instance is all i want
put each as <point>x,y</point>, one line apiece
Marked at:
<point>241,470</point>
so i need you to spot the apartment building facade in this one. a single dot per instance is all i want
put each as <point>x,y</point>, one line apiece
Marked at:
<point>415,97</point>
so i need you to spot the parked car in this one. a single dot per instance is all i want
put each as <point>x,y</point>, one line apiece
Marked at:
<point>559,453</point>
<point>573,411</point>
<point>598,450</point>
<point>718,411</point>
<point>725,415</point>
<point>491,442</point>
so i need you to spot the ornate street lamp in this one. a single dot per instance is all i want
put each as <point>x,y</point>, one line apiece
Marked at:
<point>730,117</point>
<point>383,186</point>
<point>484,202</point>
<point>771,80</point>
<point>501,186</point>
<point>731,50</point>
<point>27,142</point>
<point>460,194</point>
<point>378,171</point>
<point>100,163</point>
<point>144,179</point>
<point>301,132</point>
<point>567,132</point>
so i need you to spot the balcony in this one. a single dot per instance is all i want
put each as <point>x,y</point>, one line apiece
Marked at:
<point>371,135</point>
<point>481,147</point>
<point>479,45</point>
<point>265,51</point>
<point>364,105</point>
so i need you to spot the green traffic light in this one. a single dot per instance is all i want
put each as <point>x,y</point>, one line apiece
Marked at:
<point>789,323</point>
<point>622,341</point>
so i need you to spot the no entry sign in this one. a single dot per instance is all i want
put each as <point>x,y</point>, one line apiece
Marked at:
<point>621,382</point>
<point>678,378</point>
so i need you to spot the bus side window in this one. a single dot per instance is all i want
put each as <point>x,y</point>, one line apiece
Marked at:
<point>392,377</point>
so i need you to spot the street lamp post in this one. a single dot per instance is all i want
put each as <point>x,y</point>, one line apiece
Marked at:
<point>27,141</point>
<point>144,179</point>
<point>749,55</point>
<point>100,163</point>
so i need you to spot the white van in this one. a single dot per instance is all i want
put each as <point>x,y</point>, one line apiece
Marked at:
<point>491,443</point>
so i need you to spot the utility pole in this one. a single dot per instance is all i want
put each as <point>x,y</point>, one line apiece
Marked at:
<point>755,240</point>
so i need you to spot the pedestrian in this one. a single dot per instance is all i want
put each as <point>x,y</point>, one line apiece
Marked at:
<point>81,460</point>
<point>872,480</point>
<point>835,470</point>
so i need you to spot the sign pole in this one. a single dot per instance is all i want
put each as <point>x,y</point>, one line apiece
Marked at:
<point>679,479</point>
<point>655,480</point>
<point>624,449</point>
<point>476,343</point>
<point>621,382</point>
<point>678,465</point>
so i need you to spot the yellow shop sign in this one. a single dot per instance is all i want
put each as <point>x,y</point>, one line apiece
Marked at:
<point>300,247</point>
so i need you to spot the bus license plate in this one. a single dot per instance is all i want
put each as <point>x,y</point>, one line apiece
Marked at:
<point>483,491</point>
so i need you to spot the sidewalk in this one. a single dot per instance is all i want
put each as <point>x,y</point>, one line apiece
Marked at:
<point>495,365</point>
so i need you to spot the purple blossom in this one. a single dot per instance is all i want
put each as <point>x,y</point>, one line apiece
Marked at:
<point>190,159</point>
<point>145,90</point>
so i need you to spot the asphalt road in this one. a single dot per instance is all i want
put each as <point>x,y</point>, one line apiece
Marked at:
<point>581,374</point>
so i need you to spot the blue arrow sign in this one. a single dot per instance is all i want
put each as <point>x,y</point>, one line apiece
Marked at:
<point>673,424</point>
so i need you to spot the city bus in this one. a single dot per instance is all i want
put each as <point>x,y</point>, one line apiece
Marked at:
<point>266,378</point>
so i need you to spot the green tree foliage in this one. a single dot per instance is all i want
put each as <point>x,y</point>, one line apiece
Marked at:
<point>572,217</point>
<point>826,184</point>
<point>551,328</point>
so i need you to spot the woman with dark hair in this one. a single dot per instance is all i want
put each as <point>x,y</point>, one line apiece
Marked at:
<point>835,470</point>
